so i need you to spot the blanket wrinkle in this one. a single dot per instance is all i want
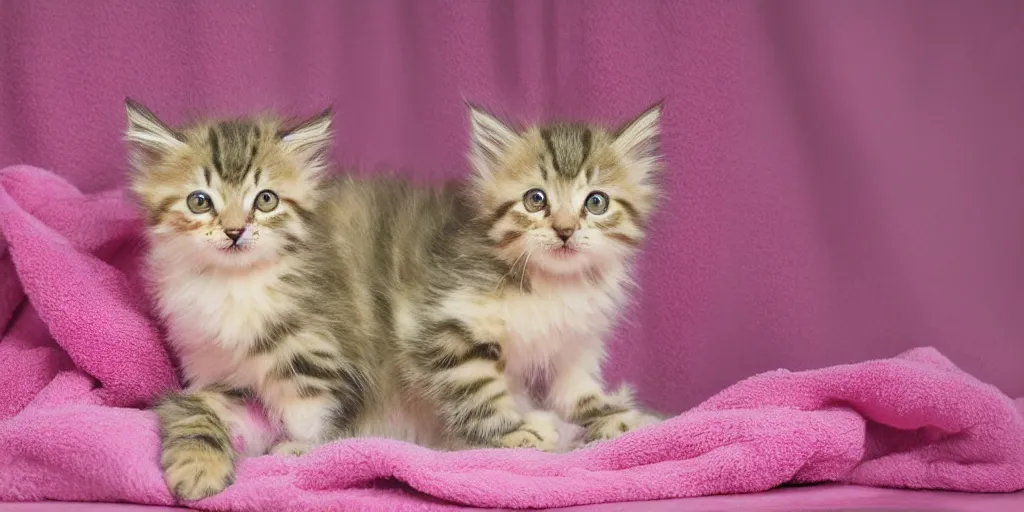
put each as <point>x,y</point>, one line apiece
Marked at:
<point>82,357</point>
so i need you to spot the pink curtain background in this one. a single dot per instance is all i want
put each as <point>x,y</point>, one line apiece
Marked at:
<point>844,178</point>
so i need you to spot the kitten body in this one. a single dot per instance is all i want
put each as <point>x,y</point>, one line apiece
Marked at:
<point>450,317</point>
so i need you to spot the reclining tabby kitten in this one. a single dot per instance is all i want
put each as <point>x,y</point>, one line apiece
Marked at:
<point>450,317</point>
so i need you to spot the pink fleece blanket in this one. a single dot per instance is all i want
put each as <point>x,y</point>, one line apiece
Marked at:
<point>80,355</point>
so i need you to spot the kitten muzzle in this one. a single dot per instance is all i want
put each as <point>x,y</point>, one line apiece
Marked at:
<point>240,238</point>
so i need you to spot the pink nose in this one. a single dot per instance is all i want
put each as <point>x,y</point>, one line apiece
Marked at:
<point>565,233</point>
<point>233,234</point>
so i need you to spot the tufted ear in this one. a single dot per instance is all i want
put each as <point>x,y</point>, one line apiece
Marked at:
<point>148,136</point>
<point>310,139</point>
<point>638,141</point>
<point>490,139</point>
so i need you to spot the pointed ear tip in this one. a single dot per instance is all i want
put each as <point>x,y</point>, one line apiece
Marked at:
<point>136,109</point>
<point>325,118</point>
<point>477,110</point>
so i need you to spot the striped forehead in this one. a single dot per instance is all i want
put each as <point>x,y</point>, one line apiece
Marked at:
<point>233,148</point>
<point>568,147</point>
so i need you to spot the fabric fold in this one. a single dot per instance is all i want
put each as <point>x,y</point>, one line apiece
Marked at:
<point>83,357</point>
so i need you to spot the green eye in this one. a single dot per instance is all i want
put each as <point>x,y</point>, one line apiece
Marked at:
<point>266,201</point>
<point>534,200</point>
<point>199,202</point>
<point>597,203</point>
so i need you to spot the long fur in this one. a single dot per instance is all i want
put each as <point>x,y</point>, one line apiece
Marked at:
<point>451,317</point>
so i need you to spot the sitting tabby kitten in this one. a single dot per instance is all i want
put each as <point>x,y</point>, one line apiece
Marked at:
<point>447,317</point>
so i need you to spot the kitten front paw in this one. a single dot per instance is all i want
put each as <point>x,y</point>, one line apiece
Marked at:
<point>539,430</point>
<point>193,474</point>
<point>614,425</point>
<point>291,448</point>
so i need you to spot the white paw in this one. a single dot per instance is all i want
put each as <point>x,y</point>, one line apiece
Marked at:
<point>193,474</point>
<point>291,448</point>
<point>539,430</point>
<point>614,425</point>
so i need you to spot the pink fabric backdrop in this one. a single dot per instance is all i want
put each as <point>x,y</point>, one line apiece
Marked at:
<point>844,177</point>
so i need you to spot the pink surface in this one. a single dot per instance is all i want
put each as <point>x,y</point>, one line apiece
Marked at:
<point>83,351</point>
<point>832,498</point>
<point>843,177</point>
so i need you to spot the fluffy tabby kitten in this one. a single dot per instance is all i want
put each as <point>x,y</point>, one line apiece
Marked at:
<point>449,317</point>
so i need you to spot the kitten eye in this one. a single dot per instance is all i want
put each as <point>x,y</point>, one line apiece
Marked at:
<point>534,200</point>
<point>199,202</point>
<point>597,203</point>
<point>266,201</point>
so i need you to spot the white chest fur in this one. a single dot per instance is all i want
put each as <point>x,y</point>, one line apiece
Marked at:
<point>557,321</point>
<point>213,320</point>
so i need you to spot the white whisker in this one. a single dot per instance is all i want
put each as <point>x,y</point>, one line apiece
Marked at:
<point>522,277</point>
<point>511,269</point>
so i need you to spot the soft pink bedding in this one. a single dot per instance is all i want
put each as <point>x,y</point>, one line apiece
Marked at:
<point>81,354</point>
<point>825,498</point>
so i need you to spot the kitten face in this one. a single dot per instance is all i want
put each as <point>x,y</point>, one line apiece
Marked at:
<point>565,198</point>
<point>228,193</point>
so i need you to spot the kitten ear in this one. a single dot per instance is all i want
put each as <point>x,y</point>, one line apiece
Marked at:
<point>310,139</point>
<point>490,139</point>
<point>150,138</point>
<point>638,140</point>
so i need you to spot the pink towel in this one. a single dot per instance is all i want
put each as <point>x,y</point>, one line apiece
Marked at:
<point>83,352</point>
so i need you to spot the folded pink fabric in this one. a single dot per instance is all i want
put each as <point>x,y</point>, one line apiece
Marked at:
<point>82,353</point>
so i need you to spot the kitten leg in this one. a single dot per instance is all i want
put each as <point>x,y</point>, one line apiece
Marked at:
<point>577,396</point>
<point>308,421</point>
<point>197,455</point>
<point>317,394</point>
<point>467,379</point>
